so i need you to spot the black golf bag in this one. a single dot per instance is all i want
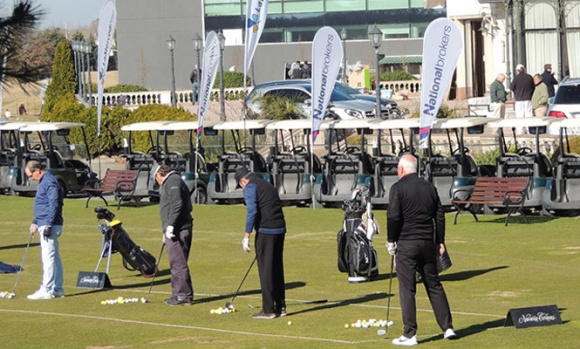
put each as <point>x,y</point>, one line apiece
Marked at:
<point>134,257</point>
<point>356,255</point>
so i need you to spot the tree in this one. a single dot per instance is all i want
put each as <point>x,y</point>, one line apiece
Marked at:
<point>13,31</point>
<point>63,82</point>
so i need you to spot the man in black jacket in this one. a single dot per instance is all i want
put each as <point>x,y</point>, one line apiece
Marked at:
<point>177,224</point>
<point>549,79</point>
<point>264,214</point>
<point>416,235</point>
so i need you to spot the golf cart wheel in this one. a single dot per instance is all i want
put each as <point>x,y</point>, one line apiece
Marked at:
<point>128,266</point>
<point>199,196</point>
<point>63,188</point>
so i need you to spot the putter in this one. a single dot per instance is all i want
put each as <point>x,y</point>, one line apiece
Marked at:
<point>21,265</point>
<point>230,303</point>
<point>156,272</point>
<point>320,301</point>
<point>382,332</point>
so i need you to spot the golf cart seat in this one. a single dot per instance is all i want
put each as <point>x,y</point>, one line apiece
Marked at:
<point>386,175</point>
<point>341,174</point>
<point>513,165</point>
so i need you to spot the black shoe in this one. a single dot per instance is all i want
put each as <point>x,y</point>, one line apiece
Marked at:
<point>281,312</point>
<point>175,301</point>
<point>264,316</point>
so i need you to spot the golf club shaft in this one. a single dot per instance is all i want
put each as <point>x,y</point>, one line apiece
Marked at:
<point>320,301</point>
<point>390,287</point>
<point>156,271</point>
<point>22,263</point>
<point>244,279</point>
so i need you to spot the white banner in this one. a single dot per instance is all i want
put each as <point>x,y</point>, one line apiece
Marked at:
<point>106,32</point>
<point>442,46</point>
<point>256,13</point>
<point>211,59</point>
<point>326,60</point>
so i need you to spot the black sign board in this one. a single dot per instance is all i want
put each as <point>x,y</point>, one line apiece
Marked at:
<point>533,316</point>
<point>90,279</point>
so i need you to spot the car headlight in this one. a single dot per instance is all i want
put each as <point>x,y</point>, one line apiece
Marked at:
<point>354,113</point>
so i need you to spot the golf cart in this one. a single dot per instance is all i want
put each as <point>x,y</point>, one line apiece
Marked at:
<point>456,173</point>
<point>48,143</point>
<point>290,164</point>
<point>222,187</point>
<point>386,163</point>
<point>345,167</point>
<point>562,194</point>
<point>9,150</point>
<point>524,161</point>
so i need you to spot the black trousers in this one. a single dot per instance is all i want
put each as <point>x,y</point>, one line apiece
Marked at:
<point>178,252</point>
<point>270,256</point>
<point>420,256</point>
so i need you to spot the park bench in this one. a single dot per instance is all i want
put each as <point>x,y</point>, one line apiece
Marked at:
<point>508,192</point>
<point>121,183</point>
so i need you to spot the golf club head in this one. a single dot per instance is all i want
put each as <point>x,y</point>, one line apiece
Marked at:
<point>382,332</point>
<point>228,305</point>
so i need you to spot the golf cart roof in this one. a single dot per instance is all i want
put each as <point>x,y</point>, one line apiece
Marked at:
<point>144,126</point>
<point>521,122</point>
<point>242,125</point>
<point>347,124</point>
<point>393,124</point>
<point>460,122</point>
<point>11,126</point>
<point>49,126</point>
<point>299,124</point>
<point>186,125</point>
<point>561,123</point>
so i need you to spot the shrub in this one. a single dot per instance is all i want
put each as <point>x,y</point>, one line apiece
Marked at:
<point>397,76</point>
<point>232,80</point>
<point>125,88</point>
<point>275,107</point>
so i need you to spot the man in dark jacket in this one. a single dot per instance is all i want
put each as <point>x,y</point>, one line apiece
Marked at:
<point>416,235</point>
<point>498,96</point>
<point>523,88</point>
<point>177,224</point>
<point>48,223</point>
<point>265,215</point>
<point>549,79</point>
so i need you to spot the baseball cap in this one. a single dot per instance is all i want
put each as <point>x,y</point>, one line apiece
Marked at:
<point>520,67</point>
<point>241,172</point>
<point>548,65</point>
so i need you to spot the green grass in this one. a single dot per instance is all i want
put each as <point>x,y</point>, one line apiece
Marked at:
<point>495,268</point>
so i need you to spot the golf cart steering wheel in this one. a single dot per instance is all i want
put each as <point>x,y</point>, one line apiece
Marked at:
<point>352,149</point>
<point>524,151</point>
<point>36,147</point>
<point>299,149</point>
<point>154,149</point>
<point>407,149</point>
<point>456,151</point>
<point>245,150</point>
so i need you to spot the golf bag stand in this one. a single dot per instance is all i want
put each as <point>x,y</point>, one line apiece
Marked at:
<point>356,255</point>
<point>117,240</point>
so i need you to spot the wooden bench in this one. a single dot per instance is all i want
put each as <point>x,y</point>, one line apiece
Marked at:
<point>509,192</point>
<point>121,183</point>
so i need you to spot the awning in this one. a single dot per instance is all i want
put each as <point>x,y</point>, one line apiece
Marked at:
<point>401,60</point>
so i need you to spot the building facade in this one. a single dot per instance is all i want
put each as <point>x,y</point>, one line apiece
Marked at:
<point>144,26</point>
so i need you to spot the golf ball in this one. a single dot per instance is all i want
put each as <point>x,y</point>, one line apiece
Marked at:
<point>103,302</point>
<point>289,323</point>
<point>143,300</point>
<point>389,324</point>
<point>212,311</point>
<point>10,296</point>
<point>346,325</point>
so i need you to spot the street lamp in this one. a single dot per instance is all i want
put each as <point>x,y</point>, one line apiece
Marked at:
<point>171,47</point>
<point>87,50</point>
<point>222,40</point>
<point>197,43</point>
<point>375,36</point>
<point>74,46</point>
<point>343,36</point>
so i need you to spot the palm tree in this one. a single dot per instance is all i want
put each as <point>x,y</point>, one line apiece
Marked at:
<point>13,30</point>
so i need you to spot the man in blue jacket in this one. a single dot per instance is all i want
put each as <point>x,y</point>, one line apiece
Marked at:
<point>264,214</point>
<point>48,222</point>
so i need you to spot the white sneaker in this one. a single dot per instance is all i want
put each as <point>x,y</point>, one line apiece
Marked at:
<point>449,334</point>
<point>40,294</point>
<point>405,342</point>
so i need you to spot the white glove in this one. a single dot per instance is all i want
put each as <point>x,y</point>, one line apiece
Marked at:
<point>246,244</point>
<point>44,230</point>
<point>392,248</point>
<point>169,232</point>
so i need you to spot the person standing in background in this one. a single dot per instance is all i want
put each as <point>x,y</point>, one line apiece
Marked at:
<point>498,96</point>
<point>549,79</point>
<point>540,97</point>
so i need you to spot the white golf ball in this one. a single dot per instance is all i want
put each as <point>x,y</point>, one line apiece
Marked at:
<point>143,300</point>
<point>389,324</point>
<point>10,296</point>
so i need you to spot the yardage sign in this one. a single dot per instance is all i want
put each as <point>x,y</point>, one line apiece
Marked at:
<point>533,316</point>
<point>93,280</point>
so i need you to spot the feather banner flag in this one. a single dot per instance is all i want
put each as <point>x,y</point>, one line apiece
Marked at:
<point>326,60</point>
<point>106,32</point>
<point>442,46</point>
<point>256,13</point>
<point>211,59</point>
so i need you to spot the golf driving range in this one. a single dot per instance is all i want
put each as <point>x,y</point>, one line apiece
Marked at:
<point>495,269</point>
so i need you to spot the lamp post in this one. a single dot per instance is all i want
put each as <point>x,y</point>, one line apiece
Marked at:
<point>171,47</point>
<point>76,60</point>
<point>197,42</point>
<point>82,70</point>
<point>87,50</point>
<point>343,36</point>
<point>508,35</point>
<point>375,36</point>
<point>222,40</point>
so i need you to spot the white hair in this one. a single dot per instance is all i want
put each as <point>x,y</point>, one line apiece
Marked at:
<point>409,163</point>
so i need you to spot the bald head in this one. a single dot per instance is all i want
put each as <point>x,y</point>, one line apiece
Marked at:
<point>407,165</point>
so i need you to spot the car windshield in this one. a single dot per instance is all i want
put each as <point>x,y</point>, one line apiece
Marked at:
<point>568,94</point>
<point>345,89</point>
<point>336,95</point>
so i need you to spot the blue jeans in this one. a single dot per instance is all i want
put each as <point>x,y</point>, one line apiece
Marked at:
<point>52,272</point>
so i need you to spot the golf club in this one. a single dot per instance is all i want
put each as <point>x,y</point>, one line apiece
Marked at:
<point>382,332</point>
<point>320,301</point>
<point>156,272</point>
<point>21,265</point>
<point>230,303</point>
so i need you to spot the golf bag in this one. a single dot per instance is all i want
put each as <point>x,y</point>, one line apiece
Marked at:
<point>356,255</point>
<point>134,257</point>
